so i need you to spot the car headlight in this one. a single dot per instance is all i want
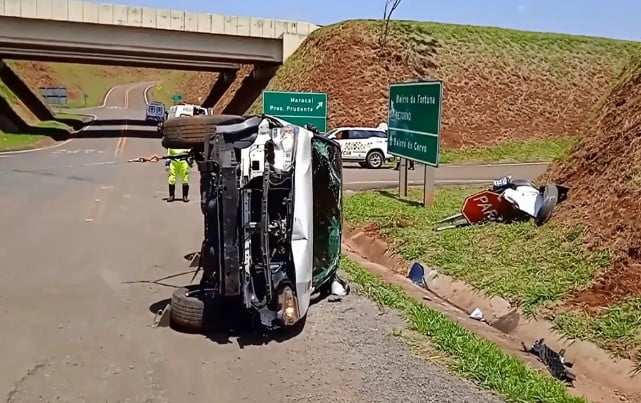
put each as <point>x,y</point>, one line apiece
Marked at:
<point>284,140</point>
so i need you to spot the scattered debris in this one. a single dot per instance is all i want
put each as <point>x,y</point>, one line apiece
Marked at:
<point>416,275</point>
<point>556,363</point>
<point>162,317</point>
<point>477,314</point>
<point>507,201</point>
<point>338,289</point>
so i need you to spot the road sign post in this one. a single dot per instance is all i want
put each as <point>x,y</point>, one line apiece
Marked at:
<point>299,108</point>
<point>402,177</point>
<point>414,129</point>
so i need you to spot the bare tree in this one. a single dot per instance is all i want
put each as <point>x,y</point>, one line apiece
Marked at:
<point>390,7</point>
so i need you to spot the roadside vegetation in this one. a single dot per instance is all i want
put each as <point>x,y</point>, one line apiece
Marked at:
<point>81,79</point>
<point>465,353</point>
<point>511,151</point>
<point>35,133</point>
<point>533,267</point>
<point>617,328</point>
<point>17,142</point>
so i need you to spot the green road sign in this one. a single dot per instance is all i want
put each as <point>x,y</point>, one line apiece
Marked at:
<point>299,108</point>
<point>414,121</point>
<point>177,98</point>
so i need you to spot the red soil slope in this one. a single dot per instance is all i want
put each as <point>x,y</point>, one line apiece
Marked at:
<point>604,173</point>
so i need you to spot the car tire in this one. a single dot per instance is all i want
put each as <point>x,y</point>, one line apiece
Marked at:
<point>550,200</point>
<point>188,309</point>
<point>191,131</point>
<point>375,159</point>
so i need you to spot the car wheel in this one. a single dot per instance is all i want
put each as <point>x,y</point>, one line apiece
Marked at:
<point>375,159</point>
<point>550,200</point>
<point>188,308</point>
<point>191,131</point>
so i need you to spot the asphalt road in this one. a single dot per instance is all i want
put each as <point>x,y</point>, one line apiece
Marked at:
<point>84,233</point>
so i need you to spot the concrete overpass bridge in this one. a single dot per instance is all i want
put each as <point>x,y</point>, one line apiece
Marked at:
<point>75,31</point>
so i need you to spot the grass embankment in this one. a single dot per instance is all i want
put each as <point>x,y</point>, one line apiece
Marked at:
<point>465,353</point>
<point>529,265</point>
<point>545,150</point>
<point>511,151</point>
<point>172,83</point>
<point>81,79</point>
<point>17,142</point>
<point>509,95</point>
<point>534,267</point>
<point>37,133</point>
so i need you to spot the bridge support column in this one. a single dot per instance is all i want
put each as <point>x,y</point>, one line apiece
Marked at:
<point>222,84</point>
<point>250,89</point>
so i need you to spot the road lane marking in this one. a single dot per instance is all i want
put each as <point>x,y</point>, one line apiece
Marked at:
<point>120,145</point>
<point>146,91</point>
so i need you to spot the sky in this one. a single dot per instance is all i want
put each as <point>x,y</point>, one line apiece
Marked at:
<point>607,18</point>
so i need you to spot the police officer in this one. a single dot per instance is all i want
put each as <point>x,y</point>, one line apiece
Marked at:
<point>178,168</point>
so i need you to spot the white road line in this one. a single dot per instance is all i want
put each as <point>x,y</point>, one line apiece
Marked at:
<point>104,100</point>
<point>35,149</point>
<point>146,91</point>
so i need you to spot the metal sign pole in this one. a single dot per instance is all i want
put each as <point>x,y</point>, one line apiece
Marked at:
<point>402,178</point>
<point>428,185</point>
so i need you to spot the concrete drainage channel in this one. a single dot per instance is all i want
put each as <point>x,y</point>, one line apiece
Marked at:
<point>597,374</point>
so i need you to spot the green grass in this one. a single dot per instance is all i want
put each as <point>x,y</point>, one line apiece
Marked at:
<point>529,265</point>
<point>563,56</point>
<point>52,124</point>
<point>617,329</point>
<point>170,85</point>
<point>15,142</point>
<point>471,356</point>
<point>7,94</point>
<point>511,151</point>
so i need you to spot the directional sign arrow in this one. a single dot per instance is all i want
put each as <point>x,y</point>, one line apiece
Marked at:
<point>320,105</point>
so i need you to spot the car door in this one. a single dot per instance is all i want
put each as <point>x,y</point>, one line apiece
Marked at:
<point>358,144</point>
<point>341,137</point>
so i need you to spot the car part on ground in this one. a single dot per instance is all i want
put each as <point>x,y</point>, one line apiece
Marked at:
<point>271,197</point>
<point>555,362</point>
<point>507,201</point>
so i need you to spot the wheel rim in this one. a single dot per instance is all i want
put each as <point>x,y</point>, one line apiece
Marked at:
<point>375,160</point>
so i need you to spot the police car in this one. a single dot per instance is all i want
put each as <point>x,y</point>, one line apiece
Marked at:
<point>365,145</point>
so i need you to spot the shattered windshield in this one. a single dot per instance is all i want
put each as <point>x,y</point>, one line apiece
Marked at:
<point>327,185</point>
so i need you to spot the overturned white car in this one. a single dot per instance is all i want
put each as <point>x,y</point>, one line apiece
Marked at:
<point>271,196</point>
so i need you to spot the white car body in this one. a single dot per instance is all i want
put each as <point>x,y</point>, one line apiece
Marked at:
<point>357,143</point>
<point>175,111</point>
<point>526,198</point>
<point>302,235</point>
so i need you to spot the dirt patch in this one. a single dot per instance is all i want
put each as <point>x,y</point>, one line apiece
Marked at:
<point>499,84</point>
<point>244,71</point>
<point>599,377</point>
<point>196,86</point>
<point>604,172</point>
